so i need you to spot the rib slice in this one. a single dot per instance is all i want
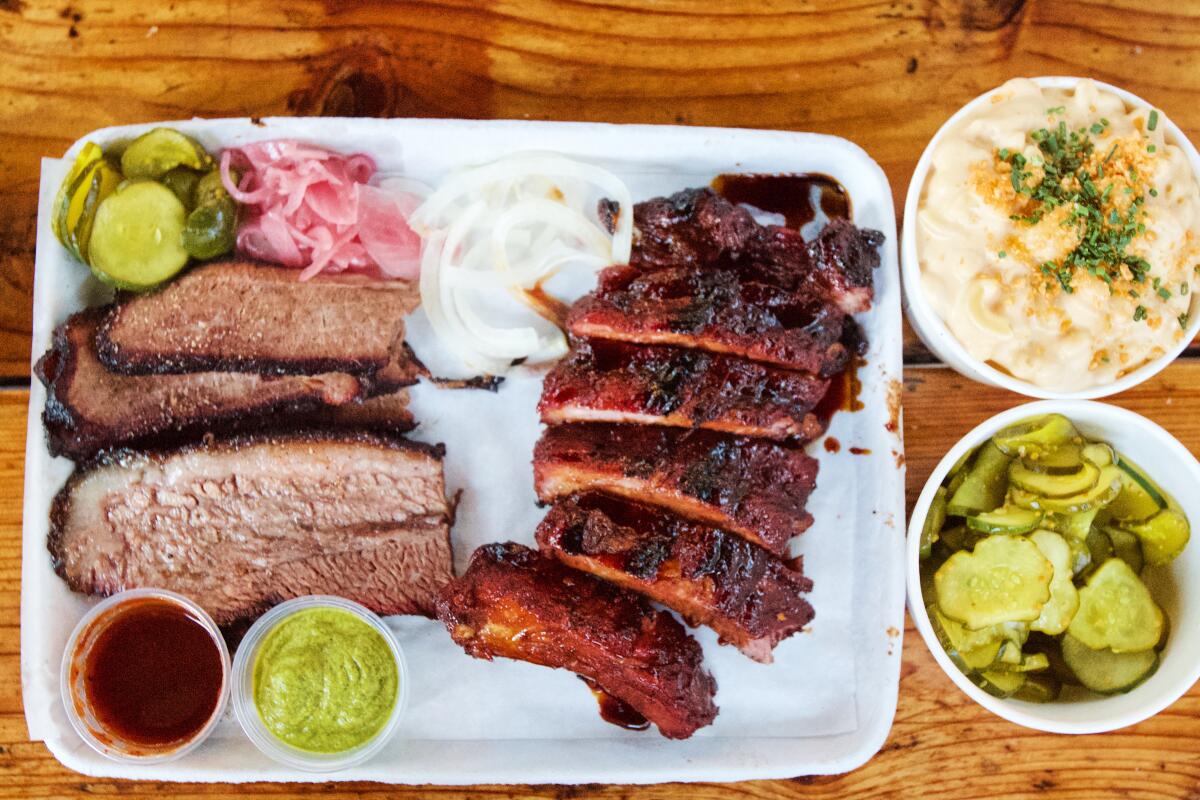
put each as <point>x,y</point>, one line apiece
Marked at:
<point>745,594</point>
<point>701,229</point>
<point>615,382</point>
<point>514,603</point>
<point>241,524</point>
<point>239,316</point>
<point>715,310</point>
<point>751,487</point>
<point>89,408</point>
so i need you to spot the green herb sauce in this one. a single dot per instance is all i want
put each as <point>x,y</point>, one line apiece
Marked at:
<point>325,681</point>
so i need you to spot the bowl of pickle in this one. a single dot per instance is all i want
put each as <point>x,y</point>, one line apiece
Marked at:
<point>1049,566</point>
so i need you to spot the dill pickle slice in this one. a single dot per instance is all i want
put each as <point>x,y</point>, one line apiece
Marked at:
<point>160,150</point>
<point>1127,547</point>
<point>1108,486</point>
<point>1064,599</point>
<point>1066,459</point>
<point>1054,484</point>
<point>1039,688</point>
<point>1004,579</point>
<point>1098,453</point>
<point>1163,536</point>
<point>211,229</point>
<point>1037,436</point>
<point>88,155</point>
<point>1011,659</point>
<point>182,181</point>
<point>999,683</point>
<point>136,236</point>
<point>102,181</point>
<point>1116,611</point>
<point>983,488</point>
<point>969,650</point>
<point>1006,519</point>
<point>934,521</point>
<point>1104,671</point>
<point>1140,498</point>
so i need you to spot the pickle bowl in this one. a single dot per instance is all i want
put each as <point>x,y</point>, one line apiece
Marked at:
<point>934,332</point>
<point>1175,587</point>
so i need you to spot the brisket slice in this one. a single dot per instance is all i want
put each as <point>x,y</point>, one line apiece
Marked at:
<point>698,228</point>
<point>239,316</point>
<point>514,603</point>
<point>745,594</point>
<point>752,487</point>
<point>714,310</point>
<point>613,382</point>
<point>89,408</point>
<point>241,524</point>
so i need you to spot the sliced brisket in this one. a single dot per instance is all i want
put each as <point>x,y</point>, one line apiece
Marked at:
<point>514,603</point>
<point>613,382</point>
<point>752,487</point>
<point>241,524</point>
<point>748,596</point>
<point>238,316</point>
<point>89,408</point>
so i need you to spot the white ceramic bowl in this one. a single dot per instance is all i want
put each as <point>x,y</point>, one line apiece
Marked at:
<point>246,711</point>
<point>1176,587</point>
<point>933,331</point>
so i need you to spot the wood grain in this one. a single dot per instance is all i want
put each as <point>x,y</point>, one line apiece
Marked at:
<point>942,744</point>
<point>884,74</point>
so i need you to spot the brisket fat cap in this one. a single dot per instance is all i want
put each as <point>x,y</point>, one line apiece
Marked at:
<point>240,316</point>
<point>514,603</point>
<point>241,524</point>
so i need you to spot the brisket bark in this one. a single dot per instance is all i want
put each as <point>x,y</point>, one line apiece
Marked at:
<point>239,316</point>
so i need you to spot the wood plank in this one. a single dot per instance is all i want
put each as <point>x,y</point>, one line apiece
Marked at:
<point>884,74</point>
<point>941,742</point>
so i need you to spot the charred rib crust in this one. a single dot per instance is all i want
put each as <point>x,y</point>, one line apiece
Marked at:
<point>614,382</point>
<point>515,603</point>
<point>752,487</point>
<point>748,596</point>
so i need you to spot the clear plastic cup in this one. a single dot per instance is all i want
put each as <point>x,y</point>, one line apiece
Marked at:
<point>243,689</point>
<point>78,705</point>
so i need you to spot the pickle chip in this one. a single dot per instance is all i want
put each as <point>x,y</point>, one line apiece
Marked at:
<point>158,151</point>
<point>136,239</point>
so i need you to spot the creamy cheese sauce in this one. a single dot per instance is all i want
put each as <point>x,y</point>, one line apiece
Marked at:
<point>993,280</point>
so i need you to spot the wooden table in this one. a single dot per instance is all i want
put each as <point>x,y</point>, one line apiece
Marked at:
<point>884,74</point>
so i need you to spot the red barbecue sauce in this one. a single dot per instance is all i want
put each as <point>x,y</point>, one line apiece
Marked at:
<point>153,675</point>
<point>801,199</point>
<point>614,711</point>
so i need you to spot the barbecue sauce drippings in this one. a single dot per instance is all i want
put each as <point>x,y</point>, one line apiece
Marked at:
<point>614,711</point>
<point>800,198</point>
<point>843,393</point>
<point>153,675</point>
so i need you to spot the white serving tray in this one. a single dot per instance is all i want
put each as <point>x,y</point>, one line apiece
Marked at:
<point>826,704</point>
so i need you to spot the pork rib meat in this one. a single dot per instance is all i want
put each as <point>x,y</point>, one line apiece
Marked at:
<point>513,602</point>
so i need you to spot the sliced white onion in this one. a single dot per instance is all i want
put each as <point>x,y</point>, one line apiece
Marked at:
<point>512,224</point>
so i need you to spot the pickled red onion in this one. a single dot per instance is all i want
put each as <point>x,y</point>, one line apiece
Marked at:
<point>313,209</point>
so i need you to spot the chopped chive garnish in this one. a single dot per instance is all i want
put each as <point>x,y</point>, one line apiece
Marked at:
<point>1151,149</point>
<point>1152,123</point>
<point>1002,254</point>
<point>1139,313</point>
<point>1183,320</point>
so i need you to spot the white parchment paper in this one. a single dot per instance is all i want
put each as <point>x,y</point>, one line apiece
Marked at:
<point>825,704</point>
